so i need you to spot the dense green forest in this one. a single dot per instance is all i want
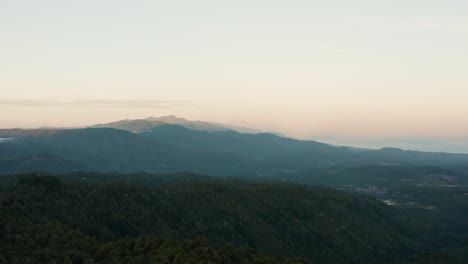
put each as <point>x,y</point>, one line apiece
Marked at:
<point>92,218</point>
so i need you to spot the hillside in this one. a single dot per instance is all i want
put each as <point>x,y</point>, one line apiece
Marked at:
<point>174,148</point>
<point>317,224</point>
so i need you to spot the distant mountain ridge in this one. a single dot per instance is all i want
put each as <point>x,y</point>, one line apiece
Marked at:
<point>39,132</point>
<point>140,125</point>
<point>154,145</point>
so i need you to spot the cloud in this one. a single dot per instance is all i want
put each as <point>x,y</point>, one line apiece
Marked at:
<point>97,103</point>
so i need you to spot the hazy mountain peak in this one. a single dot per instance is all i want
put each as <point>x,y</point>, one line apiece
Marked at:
<point>140,125</point>
<point>168,119</point>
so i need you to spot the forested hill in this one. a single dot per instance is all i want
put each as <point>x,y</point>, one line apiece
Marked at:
<point>205,220</point>
<point>174,148</point>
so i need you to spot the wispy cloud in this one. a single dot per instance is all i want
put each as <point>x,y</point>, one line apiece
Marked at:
<point>97,103</point>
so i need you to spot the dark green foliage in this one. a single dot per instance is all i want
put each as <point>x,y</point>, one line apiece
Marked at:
<point>49,183</point>
<point>435,258</point>
<point>41,219</point>
<point>47,242</point>
<point>377,175</point>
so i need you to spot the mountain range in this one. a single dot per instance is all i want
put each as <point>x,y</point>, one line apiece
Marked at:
<point>171,144</point>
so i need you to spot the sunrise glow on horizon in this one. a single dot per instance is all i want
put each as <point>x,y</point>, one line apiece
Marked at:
<point>365,69</point>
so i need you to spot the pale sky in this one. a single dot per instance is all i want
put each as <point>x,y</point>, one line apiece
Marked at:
<point>304,68</point>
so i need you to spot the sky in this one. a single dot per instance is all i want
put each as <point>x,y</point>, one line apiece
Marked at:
<point>308,69</point>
